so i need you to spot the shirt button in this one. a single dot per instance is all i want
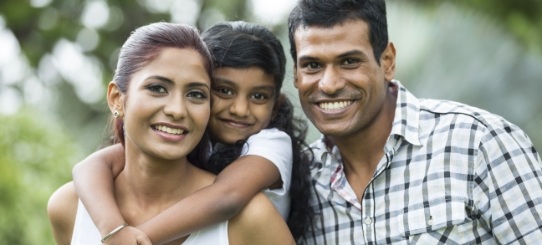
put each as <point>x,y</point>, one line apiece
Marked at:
<point>368,221</point>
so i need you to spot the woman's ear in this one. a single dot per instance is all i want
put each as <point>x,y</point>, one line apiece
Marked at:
<point>115,100</point>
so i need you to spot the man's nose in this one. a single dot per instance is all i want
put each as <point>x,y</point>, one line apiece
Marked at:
<point>331,81</point>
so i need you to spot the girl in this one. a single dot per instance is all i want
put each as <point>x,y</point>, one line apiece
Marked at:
<point>160,98</point>
<point>253,133</point>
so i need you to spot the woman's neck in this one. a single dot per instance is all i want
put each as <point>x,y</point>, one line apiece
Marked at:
<point>148,185</point>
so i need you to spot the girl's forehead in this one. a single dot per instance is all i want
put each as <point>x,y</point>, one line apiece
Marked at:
<point>251,76</point>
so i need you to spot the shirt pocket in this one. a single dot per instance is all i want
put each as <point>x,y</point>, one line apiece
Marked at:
<point>429,222</point>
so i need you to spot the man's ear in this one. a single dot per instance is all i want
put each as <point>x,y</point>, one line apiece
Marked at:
<point>295,76</point>
<point>387,60</point>
<point>115,100</point>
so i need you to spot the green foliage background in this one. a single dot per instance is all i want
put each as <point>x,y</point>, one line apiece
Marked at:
<point>35,157</point>
<point>484,53</point>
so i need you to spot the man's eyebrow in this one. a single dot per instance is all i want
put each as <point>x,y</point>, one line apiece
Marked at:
<point>352,53</point>
<point>306,58</point>
<point>343,55</point>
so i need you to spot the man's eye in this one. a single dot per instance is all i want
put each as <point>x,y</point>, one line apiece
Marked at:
<point>157,88</point>
<point>312,65</point>
<point>350,61</point>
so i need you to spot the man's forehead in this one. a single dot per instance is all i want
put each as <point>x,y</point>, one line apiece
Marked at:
<point>359,27</point>
<point>322,34</point>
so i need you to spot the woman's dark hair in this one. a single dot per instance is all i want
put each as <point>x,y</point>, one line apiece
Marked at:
<point>141,48</point>
<point>243,45</point>
<point>326,14</point>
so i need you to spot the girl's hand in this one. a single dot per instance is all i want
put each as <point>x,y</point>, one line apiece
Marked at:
<point>129,236</point>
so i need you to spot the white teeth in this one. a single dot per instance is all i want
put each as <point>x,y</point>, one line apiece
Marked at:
<point>169,130</point>
<point>335,105</point>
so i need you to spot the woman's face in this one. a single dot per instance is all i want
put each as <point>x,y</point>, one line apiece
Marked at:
<point>243,103</point>
<point>167,105</point>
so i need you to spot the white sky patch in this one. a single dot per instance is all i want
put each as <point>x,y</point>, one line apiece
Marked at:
<point>271,11</point>
<point>39,3</point>
<point>88,39</point>
<point>35,92</point>
<point>95,14</point>
<point>184,12</point>
<point>10,101</point>
<point>79,70</point>
<point>157,6</point>
<point>12,66</point>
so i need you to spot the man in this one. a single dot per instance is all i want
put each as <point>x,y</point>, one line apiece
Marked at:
<point>395,169</point>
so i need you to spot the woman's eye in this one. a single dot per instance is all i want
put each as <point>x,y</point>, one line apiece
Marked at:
<point>197,94</point>
<point>157,89</point>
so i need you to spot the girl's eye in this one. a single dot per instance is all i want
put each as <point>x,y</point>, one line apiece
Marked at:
<point>157,89</point>
<point>223,91</point>
<point>259,96</point>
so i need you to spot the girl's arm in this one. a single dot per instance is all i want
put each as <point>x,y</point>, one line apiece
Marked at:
<point>61,209</point>
<point>93,179</point>
<point>234,187</point>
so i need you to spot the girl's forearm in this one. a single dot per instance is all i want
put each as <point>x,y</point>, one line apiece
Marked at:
<point>93,179</point>
<point>233,189</point>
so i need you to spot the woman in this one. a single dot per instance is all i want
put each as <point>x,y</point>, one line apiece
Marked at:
<point>257,144</point>
<point>160,97</point>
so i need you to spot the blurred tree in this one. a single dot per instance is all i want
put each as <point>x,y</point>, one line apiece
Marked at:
<point>65,42</point>
<point>521,18</point>
<point>71,50</point>
<point>36,157</point>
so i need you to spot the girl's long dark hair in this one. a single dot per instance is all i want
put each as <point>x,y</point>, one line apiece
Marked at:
<point>242,45</point>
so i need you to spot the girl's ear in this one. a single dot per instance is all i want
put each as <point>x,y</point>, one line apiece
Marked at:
<point>115,100</point>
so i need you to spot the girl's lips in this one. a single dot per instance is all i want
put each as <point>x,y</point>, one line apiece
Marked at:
<point>234,123</point>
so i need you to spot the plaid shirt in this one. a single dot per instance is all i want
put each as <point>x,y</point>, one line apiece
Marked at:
<point>451,174</point>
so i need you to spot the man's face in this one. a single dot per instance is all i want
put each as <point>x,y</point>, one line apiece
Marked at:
<point>342,88</point>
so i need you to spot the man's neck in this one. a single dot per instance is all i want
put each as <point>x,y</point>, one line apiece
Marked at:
<point>362,152</point>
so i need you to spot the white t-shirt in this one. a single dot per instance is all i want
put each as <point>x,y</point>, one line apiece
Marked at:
<point>275,146</point>
<point>86,233</point>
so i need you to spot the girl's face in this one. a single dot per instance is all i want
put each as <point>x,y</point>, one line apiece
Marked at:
<point>167,105</point>
<point>243,103</point>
